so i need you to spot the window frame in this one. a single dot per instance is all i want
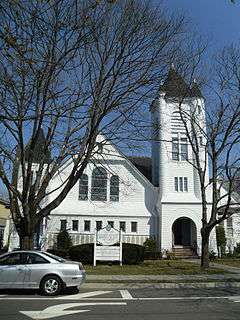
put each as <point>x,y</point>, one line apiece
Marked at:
<point>120,228</point>
<point>101,224</point>
<point>85,224</point>
<point>99,176</point>
<point>114,188</point>
<point>111,223</point>
<point>83,187</point>
<point>73,229</point>
<point>134,223</point>
<point>61,221</point>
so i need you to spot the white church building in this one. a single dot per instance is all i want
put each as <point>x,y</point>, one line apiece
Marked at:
<point>156,197</point>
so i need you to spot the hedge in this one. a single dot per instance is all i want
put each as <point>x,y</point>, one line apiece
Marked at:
<point>132,253</point>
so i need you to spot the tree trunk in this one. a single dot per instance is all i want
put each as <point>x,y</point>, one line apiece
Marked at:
<point>26,235</point>
<point>205,249</point>
<point>27,242</point>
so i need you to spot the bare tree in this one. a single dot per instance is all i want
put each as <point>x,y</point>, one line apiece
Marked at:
<point>70,69</point>
<point>214,137</point>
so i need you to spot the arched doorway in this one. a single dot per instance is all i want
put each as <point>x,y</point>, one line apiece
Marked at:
<point>184,232</point>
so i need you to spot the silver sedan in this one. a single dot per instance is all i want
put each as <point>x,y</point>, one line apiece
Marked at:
<point>39,270</point>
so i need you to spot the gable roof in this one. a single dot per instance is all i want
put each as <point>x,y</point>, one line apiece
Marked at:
<point>144,165</point>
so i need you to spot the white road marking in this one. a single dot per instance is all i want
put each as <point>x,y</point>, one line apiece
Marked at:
<point>82,295</point>
<point>126,295</point>
<point>121,299</point>
<point>59,310</point>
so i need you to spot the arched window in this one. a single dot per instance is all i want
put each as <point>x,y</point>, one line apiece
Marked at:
<point>114,188</point>
<point>83,187</point>
<point>99,185</point>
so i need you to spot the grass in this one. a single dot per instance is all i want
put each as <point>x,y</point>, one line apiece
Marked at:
<point>152,267</point>
<point>230,262</point>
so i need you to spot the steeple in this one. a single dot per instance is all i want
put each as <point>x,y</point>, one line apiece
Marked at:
<point>196,92</point>
<point>40,151</point>
<point>176,87</point>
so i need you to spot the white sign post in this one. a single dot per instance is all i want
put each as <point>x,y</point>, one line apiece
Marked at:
<point>104,249</point>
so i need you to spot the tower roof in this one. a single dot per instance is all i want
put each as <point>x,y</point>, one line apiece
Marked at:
<point>196,92</point>
<point>40,151</point>
<point>175,86</point>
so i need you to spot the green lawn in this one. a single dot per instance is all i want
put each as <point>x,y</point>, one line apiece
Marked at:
<point>151,267</point>
<point>229,262</point>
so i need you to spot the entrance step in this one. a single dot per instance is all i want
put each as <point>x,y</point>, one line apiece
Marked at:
<point>184,252</point>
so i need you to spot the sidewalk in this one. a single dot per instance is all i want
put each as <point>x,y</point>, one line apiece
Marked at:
<point>228,280</point>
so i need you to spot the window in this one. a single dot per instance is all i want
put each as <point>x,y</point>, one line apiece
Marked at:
<point>75,225</point>
<point>99,185</point>
<point>114,188</point>
<point>179,149</point>
<point>133,226</point>
<point>83,187</point>
<point>122,226</point>
<point>176,183</point>
<point>11,259</point>
<point>199,109</point>
<point>31,258</point>
<point>184,149</point>
<point>230,226</point>
<point>185,184</point>
<point>175,149</point>
<point>201,141</point>
<point>87,225</point>
<point>63,225</point>
<point>181,184</point>
<point>98,225</point>
<point>111,223</point>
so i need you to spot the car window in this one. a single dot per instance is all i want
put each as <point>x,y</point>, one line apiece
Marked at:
<point>59,259</point>
<point>11,259</point>
<point>32,258</point>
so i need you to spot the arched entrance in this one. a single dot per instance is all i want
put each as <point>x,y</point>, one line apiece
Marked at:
<point>184,232</point>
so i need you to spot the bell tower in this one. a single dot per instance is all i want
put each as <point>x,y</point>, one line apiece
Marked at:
<point>172,156</point>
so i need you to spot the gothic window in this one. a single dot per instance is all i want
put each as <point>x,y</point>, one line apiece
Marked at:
<point>179,148</point>
<point>175,149</point>
<point>114,188</point>
<point>99,184</point>
<point>83,187</point>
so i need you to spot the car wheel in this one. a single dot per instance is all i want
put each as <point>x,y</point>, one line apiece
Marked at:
<point>51,286</point>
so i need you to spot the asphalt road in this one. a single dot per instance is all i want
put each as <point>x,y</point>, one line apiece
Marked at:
<point>145,304</point>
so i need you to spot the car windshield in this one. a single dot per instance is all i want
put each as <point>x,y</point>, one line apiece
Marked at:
<point>59,259</point>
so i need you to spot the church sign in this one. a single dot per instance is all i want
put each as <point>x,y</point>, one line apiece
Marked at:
<point>108,245</point>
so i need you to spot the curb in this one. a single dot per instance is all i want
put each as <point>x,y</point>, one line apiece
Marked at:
<point>167,285</point>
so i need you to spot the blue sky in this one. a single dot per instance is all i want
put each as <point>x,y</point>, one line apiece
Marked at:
<point>216,20</point>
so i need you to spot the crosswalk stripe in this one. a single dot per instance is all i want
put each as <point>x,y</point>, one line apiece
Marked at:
<point>126,294</point>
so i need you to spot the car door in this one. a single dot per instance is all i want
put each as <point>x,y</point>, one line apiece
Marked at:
<point>12,271</point>
<point>35,267</point>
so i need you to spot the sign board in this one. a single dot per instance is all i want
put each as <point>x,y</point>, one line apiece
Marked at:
<point>105,248</point>
<point>108,236</point>
<point>108,253</point>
